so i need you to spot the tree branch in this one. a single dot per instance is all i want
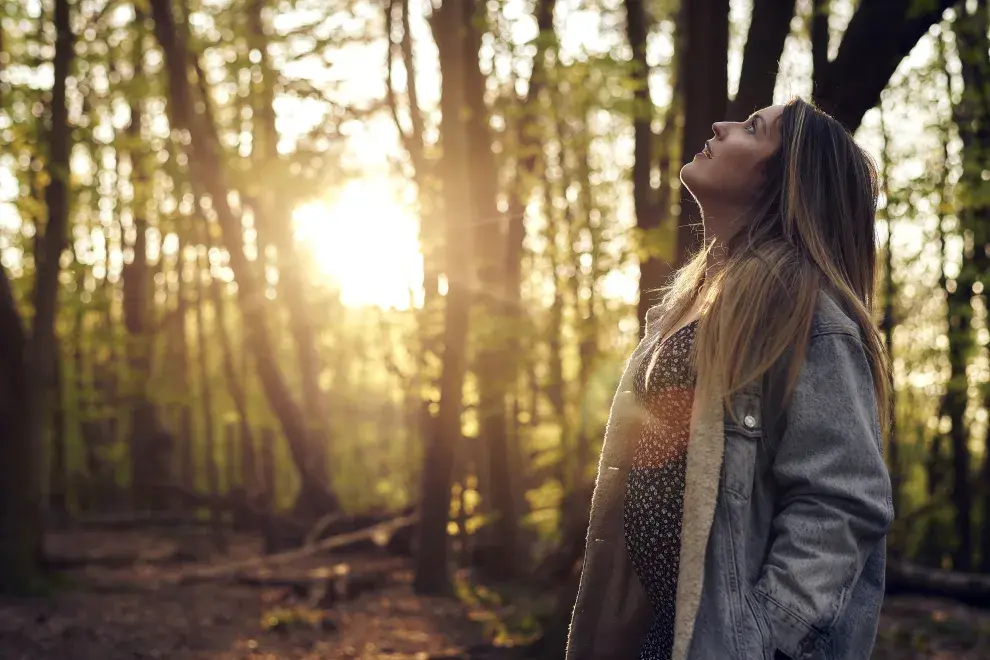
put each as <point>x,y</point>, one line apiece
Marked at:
<point>880,34</point>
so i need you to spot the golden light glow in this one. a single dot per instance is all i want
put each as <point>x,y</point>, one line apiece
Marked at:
<point>365,240</point>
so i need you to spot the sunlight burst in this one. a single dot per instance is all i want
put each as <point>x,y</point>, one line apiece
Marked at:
<point>365,240</point>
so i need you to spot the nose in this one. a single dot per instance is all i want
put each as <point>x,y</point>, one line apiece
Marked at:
<point>718,128</point>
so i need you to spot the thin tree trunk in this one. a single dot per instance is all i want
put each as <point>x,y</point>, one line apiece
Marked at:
<point>276,216</point>
<point>208,174</point>
<point>492,247</point>
<point>20,508</point>
<point>651,204</point>
<point>887,323</point>
<point>58,479</point>
<point>41,352</point>
<point>90,499</point>
<point>973,123</point>
<point>151,455</point>
<point>556,386</point>
<point>187,462</point>
<point>431,557</point>
<point>235,386</point>
<point>206,403</point>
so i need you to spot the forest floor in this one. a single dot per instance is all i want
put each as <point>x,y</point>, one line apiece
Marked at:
<point>114,609</point>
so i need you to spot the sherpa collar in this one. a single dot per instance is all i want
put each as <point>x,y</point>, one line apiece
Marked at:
<point>611,610</point>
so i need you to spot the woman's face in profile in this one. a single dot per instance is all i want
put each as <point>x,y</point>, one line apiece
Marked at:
<point>728,171</point>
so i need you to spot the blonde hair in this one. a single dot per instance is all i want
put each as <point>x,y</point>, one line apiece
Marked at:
<point>812,227</point>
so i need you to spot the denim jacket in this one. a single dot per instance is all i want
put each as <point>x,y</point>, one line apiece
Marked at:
<point>782,542</point>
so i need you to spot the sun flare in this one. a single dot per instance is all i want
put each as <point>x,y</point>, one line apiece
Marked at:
<point>364,239</point>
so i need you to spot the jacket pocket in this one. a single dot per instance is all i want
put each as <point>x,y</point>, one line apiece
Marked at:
<point>767,650</point>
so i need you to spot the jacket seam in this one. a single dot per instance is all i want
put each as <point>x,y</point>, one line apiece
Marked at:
<point>813,629</point>
<point>825,332</point>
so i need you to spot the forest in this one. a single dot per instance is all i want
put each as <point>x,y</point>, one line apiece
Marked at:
<point>312,311</point>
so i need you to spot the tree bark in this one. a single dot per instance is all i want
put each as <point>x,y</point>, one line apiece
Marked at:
<point>275,214</point>
<point>490,252</point>
<point>28,506</point>
<point>887,323</point>
<point>58,491</point>
<point>500,437</point>
<point>652,205</point>
<point>20,506</point>
<point>208,174</point>
<point>881,33</point>
<point>972,118</point>
<point>236,388</point>
<point>150,456</point>
<point>769,27</point>
<point>431,557</point>
<point>206,402</point>
<point>703,69</point>
<point>179,356</point>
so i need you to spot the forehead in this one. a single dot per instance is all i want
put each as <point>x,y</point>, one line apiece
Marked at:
<point>770,114</point>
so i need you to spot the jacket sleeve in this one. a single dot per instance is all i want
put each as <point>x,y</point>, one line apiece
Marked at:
<point>834,496</point>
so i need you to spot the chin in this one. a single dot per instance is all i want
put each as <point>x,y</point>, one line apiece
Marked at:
<point>689,175</point>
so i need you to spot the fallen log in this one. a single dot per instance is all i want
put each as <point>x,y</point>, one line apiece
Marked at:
<point>321,526</point>
<point>57,562</point>
<point>379,534</point>
<point>125,521</point>
<point>321,587</point>
<point>908,577</point>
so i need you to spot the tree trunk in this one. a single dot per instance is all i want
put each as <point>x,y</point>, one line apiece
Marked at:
<point>236,388</point>
<point>973,123</point>
<point>587,322</point>
<point>28,460</point>
<point>431,556</point>
<point>703,70</point>
<point>150,457</point>
<point>275,214</point>
<point>493,238</point>
<point>936,470</point>
<point>20,506</point>
<point>768,28</point>
<point>58,479</point>
<point>556,389</point>
<point>887,323</point>
<point>652,205</point>
<point>208,174</point>
<point>206,402</point>
<point>187,462</point>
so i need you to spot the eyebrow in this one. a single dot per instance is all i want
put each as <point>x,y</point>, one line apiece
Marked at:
<point>762,121</point>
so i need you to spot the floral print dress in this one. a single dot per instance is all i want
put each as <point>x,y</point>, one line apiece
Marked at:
<point>654,501</point>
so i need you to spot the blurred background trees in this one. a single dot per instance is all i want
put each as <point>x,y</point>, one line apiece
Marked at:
<point>269,260</point>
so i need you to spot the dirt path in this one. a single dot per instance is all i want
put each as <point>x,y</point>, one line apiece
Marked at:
<point>118,612</point>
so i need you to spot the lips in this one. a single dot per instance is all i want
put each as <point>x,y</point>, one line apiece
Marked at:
<point>708,150</point>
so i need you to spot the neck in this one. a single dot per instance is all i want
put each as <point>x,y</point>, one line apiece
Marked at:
<point>716,260</point>
<point>718,221</point>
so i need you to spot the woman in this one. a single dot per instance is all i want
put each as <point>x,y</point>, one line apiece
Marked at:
<point>742,500</point>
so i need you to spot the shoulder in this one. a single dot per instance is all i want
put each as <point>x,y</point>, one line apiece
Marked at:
<point>831,319</point>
